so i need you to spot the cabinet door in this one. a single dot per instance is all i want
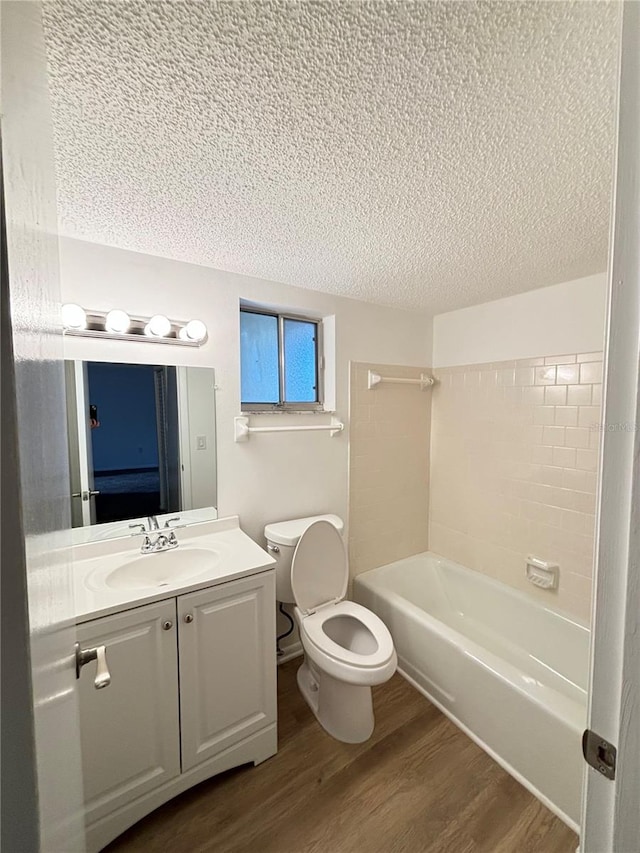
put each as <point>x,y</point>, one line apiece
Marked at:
<point>129,730</point>
<point>227,665</point>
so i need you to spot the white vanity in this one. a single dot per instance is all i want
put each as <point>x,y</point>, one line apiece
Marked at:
<point>190,648</point>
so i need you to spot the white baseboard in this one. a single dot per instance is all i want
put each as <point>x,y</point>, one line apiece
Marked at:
<point>290,652</point>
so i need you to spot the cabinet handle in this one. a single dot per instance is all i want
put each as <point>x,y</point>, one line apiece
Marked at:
<point>189,617</point>
<point>167,626</point>
<point>99,654</point>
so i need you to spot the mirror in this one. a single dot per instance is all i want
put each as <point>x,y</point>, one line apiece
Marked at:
<point>142,442</point>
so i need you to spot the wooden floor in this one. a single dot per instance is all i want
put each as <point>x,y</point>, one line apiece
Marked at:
<point>419,785</point>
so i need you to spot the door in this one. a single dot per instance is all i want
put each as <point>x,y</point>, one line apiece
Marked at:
<point>184,438</point>
<point>129,731</point>
<point>41,446</point>
<point>197,406</point>
<point>611,820</point>
<point>73,438</point>
<point>79,426</point>
<point>227,665</point>
<point>168,439</point>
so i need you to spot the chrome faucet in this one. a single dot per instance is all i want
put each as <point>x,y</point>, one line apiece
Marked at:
<point>162,542</point>
<point>153,524</point>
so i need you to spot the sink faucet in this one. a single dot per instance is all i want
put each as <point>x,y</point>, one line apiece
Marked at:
<point>162,542</point>
<point>152,523</point>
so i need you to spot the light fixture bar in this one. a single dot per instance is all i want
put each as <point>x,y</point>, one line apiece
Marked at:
<point>95,328</point>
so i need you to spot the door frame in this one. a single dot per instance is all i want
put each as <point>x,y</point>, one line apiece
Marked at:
<point>19,809</point>
<point>610,818</point>
<point>41,454</point>
<point>81,429</point>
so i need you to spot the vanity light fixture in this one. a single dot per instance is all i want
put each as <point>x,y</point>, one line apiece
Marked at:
<point>117,321</point>
<point>158,326</point>
<point>195,330</point>
<point>116,324</point>
<point>74,317</point>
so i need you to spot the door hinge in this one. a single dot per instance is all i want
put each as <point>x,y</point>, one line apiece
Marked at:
<point>599,753</point>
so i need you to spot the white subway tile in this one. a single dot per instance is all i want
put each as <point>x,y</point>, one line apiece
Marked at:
<point>568,374</point>
<point>544,415</point>
<point>591,373</point>
<point>545,375</point>
<point>564,457</point>
<point>555,395</point>
<point>560,359</point>
<point>589,416</point>
<point>589,356</point>
<point>553,435</point>
<point>566,416</point>
<point>578,395</point>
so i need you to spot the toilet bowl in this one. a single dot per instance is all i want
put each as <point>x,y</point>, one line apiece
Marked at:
<point>347,648</point>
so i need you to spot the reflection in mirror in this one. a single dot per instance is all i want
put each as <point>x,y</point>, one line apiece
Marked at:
<point>142,441</point>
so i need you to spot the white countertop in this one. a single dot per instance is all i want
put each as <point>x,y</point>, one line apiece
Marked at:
<point>237,556</point>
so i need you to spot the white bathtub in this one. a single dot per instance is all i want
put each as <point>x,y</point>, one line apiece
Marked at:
<point>511,673</point>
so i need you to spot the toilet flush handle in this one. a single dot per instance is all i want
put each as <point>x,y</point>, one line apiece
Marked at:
<point>273,548</point>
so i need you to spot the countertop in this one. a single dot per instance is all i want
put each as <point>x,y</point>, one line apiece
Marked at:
<point>238,556</point>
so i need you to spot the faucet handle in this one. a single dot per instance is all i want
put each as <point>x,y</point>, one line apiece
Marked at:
<point>147,545</point>
<point>140,525</point>
<point>169,520</point>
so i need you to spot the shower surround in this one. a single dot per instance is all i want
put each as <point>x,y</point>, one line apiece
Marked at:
<point>514,460</point>
<point>388,466</point>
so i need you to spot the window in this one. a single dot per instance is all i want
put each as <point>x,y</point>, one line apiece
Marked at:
<point>280,361</point>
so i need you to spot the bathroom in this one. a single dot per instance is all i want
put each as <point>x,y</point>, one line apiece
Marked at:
<point>190,202</point>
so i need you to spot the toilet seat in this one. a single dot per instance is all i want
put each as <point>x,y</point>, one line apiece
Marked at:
<point>312,626</point>
<point>319,570</point>
<point>319,576</point>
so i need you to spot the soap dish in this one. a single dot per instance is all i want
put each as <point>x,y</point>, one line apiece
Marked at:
<point>542,574</point>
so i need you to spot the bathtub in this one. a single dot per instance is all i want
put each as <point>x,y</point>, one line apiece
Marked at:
<point>511,673</point>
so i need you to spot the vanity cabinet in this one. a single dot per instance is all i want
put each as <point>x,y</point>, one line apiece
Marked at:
<point>129,731</point>
<point>192,693</point>
<point>227,666</point>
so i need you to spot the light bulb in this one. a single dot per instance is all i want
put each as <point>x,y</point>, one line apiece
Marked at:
<point>195,331</point>
<point>73,316</point>
<point>158,326</point>
<point>117,321</point>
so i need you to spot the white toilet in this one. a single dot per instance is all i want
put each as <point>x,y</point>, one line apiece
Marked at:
<point>347,648</point>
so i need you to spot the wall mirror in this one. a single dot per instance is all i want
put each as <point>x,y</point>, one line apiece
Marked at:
<point>142,442</point>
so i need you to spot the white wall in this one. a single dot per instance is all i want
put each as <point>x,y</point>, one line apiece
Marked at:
<point>563,318</point>
<point>270,477</point>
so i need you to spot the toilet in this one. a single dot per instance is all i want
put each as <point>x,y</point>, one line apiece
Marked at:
<point>347,648</point>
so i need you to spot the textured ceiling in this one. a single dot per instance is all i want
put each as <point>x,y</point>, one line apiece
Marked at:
<point>428,155</point>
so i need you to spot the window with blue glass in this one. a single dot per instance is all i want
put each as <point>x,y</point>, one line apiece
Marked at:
<point>279,361</point>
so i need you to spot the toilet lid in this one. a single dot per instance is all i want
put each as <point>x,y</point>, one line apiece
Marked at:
<point>319,571</point>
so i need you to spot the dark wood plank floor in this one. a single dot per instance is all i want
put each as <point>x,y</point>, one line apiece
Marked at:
<point>419,785</point>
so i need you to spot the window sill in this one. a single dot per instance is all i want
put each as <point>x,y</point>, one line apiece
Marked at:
<point>288,411</point>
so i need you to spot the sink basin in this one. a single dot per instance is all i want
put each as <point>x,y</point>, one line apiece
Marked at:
<point>162,568</point>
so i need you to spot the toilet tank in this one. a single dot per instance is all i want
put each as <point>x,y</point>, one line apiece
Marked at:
<point>282,538</point>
